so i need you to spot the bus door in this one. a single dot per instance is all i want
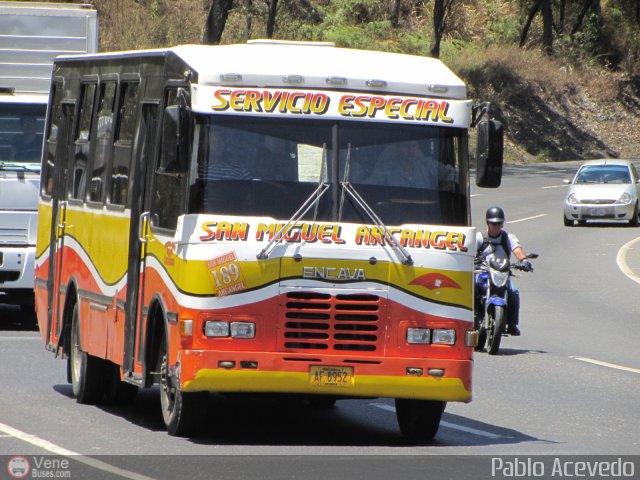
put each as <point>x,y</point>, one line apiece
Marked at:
<point>58,224</point>
<point>139,230</point>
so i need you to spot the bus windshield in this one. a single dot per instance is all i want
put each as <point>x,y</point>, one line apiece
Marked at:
<point>21,130</point>
<point>269,167</point>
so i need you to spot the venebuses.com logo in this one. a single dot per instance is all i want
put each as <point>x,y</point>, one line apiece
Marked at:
<point>18,467</point>
<point>38,467</point>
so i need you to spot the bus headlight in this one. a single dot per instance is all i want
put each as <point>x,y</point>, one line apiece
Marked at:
<point>444,336</point>
<point>418,335</point>
<point>216,329</point>
<point>243,330</point>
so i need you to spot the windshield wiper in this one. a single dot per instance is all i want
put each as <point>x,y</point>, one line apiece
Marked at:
<point>314,199</point>
<point>353,193</point>
<point>393,241</point>
<point>19,166</point>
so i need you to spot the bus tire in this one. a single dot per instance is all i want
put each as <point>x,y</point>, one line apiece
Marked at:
<point>182,412</point>
<point>419,420</point>
<point>87,371</point>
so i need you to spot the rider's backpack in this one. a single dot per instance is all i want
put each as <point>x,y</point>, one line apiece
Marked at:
<point>504,241</point>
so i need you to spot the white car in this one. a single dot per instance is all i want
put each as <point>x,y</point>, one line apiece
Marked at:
<point>603,190</point>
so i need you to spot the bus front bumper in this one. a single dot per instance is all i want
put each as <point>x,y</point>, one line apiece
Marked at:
<point>426,379</point>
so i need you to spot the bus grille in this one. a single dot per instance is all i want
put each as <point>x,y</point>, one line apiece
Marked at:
<point>331,323</point>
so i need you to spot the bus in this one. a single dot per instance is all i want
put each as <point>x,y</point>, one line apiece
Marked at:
<point>32,34</point>
<point>237,219</point>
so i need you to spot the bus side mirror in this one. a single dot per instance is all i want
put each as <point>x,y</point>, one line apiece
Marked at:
<point>489,154</point>
<point>175,139</point>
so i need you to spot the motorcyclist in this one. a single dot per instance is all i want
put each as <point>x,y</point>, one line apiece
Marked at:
<point>500,243</point>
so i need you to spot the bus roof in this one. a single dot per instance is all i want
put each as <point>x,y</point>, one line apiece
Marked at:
<point>310,65</point>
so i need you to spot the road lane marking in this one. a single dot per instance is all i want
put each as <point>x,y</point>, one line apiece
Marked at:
<point>57,450</point>
<point>606,364</point>
<point>621,260</point>
<point>527,218</point>
<point>452,426</point>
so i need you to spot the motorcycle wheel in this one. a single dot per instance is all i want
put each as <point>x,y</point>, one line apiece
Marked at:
<point>496,322</point>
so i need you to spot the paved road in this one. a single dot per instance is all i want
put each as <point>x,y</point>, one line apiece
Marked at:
<point>569,385</point>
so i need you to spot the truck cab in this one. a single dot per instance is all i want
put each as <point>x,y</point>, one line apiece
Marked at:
<point>34,33</point>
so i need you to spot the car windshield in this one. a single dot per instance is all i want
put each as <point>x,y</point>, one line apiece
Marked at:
<point>604,174</point>
<point>21,129</point>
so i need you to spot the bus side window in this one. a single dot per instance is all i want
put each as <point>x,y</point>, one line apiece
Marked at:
<point>77,186</point>
<point>126,121</point>
<point>104,146</point>
<point>46,183</point>
<point>170,174</point>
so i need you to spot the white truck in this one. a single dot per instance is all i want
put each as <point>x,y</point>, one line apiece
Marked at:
<point>32,34</point>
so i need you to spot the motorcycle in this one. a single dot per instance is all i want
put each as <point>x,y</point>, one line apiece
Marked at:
<point>490,313</point>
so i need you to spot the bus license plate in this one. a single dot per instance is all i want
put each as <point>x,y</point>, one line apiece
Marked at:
<point>326,376</point>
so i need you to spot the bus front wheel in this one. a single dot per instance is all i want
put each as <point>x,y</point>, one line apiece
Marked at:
<point>419,419</point>
<point>182,411</point>
<point>87,371</point>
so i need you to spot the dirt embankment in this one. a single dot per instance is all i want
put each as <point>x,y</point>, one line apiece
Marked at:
<point>564,120</point>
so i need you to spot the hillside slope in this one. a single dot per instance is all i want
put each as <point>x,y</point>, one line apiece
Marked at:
<point>552,112</point>
<point>569,124</point>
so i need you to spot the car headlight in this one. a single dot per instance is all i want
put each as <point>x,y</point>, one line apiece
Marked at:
<point>624,199</point>
<point>573,200</point>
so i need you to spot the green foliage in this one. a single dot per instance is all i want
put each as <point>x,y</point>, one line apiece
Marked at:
<point>346,36</point>
<point>462,56</point>
<point>589,39</point>
<point>154,9</point>
<point>414,42</point>
<point>355,12</point>
<point>624,34</point>
<point>500,28</point>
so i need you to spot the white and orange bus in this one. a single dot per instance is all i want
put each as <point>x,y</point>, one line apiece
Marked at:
<point>241,218</point>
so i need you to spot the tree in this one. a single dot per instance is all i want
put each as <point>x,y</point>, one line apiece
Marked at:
<point>271,18</point>
<point>395,13</point>
<point>543,6</point>
<point>216,20</point>
<point>594,6</point>
<point>441,11</point>
<point>547,27</point>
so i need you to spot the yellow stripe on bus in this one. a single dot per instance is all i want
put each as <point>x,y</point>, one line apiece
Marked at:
<point>428,388</point>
